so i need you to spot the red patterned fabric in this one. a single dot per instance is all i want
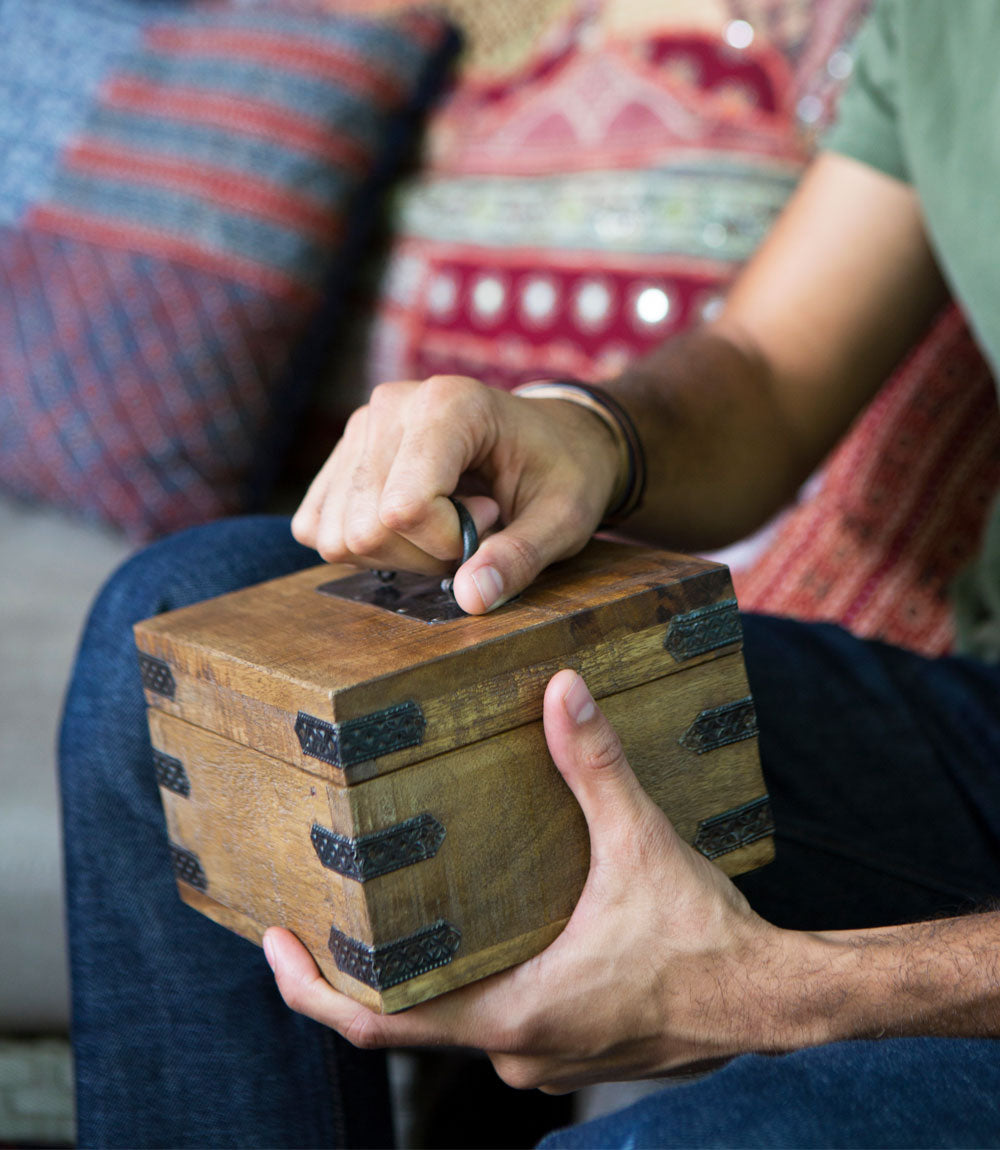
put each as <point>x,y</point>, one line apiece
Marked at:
<point>900,507</point>
<point>574,215</point>
<point>138,386</point>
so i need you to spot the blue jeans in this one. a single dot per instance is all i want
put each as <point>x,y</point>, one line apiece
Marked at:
<point>882,769</point>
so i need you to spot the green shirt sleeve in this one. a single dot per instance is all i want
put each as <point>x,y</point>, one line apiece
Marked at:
<point>867,125</point>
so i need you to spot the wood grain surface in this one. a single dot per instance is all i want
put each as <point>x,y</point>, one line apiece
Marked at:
<point>247,663</point>
<point>515,852</point>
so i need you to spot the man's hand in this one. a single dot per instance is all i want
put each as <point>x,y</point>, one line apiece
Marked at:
<point>548,469</point>
<point>662,965</point>
<point>733,416</point>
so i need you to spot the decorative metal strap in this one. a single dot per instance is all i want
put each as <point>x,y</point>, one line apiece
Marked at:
<point>188,868</point>
<point>390,963</point>
<point>156,676</point>
<point>736,828</point>
<point>704,629</point>
<point>358,740</point>
<point>380,852</point>
<point>721,725</point>
<point>170,773</point>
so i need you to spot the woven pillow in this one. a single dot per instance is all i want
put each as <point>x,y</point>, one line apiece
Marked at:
<point>574,214</point>
<point>178,209</point>
<point>899,508</point>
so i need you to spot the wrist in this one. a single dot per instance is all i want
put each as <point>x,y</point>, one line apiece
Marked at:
<point>808,991</point>
<point>630,471</point>
<point>830,986</point>
<point>785,993</point>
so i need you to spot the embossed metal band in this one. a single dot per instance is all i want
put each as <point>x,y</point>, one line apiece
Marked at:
<point>358,740</point>
<point>721,725</point>
<point>736,828</point>
<point>390,963</point>
<point>703,629</point>
<point>188,868</point>
<point>157,676</point>
<point>380,852</point>
<point>170,773</point>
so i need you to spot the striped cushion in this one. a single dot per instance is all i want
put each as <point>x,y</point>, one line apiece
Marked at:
<point>179,203</point>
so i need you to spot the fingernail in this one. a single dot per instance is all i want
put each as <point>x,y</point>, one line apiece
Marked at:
<point>489,585</point>
<point>269,952</point>
<point>579,702</point>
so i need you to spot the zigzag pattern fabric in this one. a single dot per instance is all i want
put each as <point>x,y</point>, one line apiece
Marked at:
<point>156,280</point>
<point>129,380</point>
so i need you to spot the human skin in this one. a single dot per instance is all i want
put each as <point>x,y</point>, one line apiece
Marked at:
<point>733,416</point>
<point>714,979</point>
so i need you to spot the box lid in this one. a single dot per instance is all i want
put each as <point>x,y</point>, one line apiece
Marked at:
<point>347,690</point>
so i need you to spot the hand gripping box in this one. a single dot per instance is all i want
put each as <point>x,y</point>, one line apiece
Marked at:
<point>356,760</point>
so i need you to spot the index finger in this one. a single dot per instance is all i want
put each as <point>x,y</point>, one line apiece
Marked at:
<point>449,431</point>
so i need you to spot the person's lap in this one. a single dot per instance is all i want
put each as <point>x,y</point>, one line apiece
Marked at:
<point>882,768</point>
<point>914,1092</point>
<point>180,1036</point>
<point>879,764</point>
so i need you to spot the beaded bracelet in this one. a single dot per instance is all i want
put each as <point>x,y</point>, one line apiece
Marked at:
<point>631,482</point>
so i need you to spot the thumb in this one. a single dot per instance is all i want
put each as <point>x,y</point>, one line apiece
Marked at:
<point>590,758</point>
<point>511,559</point>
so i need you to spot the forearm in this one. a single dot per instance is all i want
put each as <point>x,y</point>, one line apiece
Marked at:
<point>736,415</point>
<point>932,978</point>
<point>721,457</point>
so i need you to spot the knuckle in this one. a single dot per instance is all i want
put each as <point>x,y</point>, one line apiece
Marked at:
<point>363,1031</point>
<point>329,541</point>
<point>356,423</point>
<point>603,750</point>
<point>384,397</point>
<point>401,511</point>
<point>302,528</point>
<point>363,535</point>
<point>525,556</point>
<point>459,402</point>
<point>331,551</point>
<point>447,388</point>
<point>519,1073</point>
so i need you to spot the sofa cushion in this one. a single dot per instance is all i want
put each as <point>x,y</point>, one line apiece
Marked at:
<point>179,208</point>
<point>898,510</point>
<point>578,211</point>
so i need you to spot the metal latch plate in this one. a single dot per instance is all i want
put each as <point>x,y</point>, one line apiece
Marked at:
<point>419,597</point>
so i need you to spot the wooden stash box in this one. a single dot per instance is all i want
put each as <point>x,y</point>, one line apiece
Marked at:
<point>380,784</point>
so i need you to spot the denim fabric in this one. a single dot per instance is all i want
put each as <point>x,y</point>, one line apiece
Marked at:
<point>881,767</point>
<point>916,1092</point>
<point>181,1038</point>
<point>884,774</point>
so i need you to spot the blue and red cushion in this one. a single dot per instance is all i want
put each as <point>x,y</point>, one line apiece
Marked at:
<point>179,199</point>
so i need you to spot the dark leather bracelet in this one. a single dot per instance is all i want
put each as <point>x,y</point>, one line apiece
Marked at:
<point>631,484</point>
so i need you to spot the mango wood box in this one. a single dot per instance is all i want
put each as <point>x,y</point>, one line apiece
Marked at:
<point>380,784</point>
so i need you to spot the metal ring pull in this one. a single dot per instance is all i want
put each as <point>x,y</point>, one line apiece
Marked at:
<point>467,526</point>
<point>420,598</point>
<point>470,541</point>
